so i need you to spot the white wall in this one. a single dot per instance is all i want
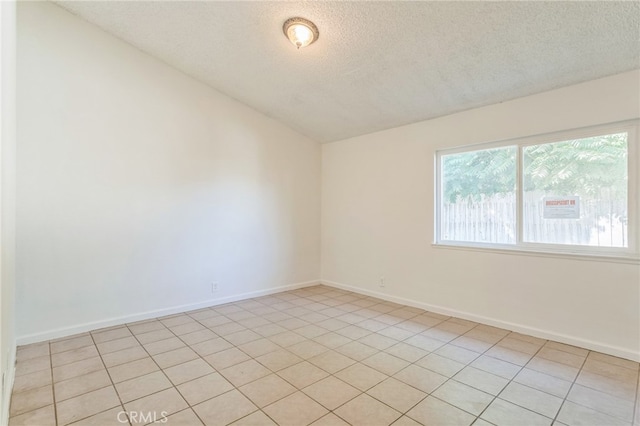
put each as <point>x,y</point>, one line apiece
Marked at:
<point>378,220</point>
<point>7,201</point>
<point>139,186</point>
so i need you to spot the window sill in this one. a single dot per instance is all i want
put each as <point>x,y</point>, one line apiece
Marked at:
<point>519,251</point>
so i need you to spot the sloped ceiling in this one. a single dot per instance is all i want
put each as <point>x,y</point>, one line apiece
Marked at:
<point>378,65</point>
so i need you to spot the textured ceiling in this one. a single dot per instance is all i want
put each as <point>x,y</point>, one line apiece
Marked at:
<point>378,65</point>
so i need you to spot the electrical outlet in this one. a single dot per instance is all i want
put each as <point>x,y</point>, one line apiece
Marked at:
<point>214,287</point>
<point>382,282</point>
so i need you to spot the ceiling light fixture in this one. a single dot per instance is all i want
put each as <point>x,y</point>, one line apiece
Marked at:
<point>301,32</point>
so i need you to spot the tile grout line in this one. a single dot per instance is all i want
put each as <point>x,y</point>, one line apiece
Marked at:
<point>360,392</point>
<point>635,404</point>
<point>429,352</point>
<point>173,385</point>
<point>13,393</point>
<point>427,394</point>
<point>330,411</point>
<point>53,387</point>
<point>525,366</point>
<point>575,379</point>
<point>261,409</point>
<point>571,387</point>
<point>77,377</point>
<point>484,353</point>
<point>276,373</point>
<point>600,391</point>
<point>364,392</point>
<point>479,354</point>
<point>112,383</point>
<point>189,406</point>
<point>216,371</point>
<point>509,382</point>
<point>466,365</point>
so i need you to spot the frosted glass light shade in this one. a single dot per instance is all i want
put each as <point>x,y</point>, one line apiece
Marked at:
<point>301,32</point>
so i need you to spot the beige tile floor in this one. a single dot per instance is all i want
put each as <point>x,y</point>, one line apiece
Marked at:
<point>318,356</point>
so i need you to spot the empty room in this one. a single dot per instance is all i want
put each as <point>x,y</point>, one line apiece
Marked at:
<point>320,213</point>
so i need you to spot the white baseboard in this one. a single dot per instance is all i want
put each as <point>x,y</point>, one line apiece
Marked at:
<point>9,377</point>
<point>94,325</point>
<point>520,328</point>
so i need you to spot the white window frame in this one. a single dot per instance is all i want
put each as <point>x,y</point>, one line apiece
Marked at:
<point>633,199</point>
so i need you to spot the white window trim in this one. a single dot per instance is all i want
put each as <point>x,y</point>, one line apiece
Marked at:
<point>622,254</point>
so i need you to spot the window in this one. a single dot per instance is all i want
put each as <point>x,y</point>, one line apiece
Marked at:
<point>478,201</point>
<point>561,193</point>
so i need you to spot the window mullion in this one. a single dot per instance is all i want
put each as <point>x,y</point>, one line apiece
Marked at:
<point>633,180</point>
<point>438,200</point>
<point>519,197</point>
